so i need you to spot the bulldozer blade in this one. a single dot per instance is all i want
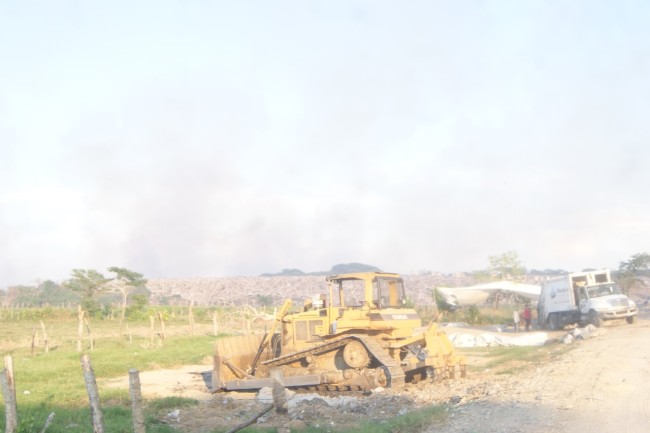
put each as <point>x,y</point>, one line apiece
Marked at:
<point>288,381</point>
<point>233,357</point>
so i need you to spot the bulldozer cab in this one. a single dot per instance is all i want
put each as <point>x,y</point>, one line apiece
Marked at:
<point>370,303</point>
<point>366,302</point>
<point>367,290</point>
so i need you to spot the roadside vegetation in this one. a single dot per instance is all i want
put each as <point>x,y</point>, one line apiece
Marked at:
<point>480,316</point>
<point>511,360</point>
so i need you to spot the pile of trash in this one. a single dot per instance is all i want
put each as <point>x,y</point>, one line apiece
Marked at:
<point>589,331</point>
<point>498,335</point>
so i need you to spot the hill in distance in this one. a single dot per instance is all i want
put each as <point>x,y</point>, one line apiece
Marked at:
<point>343,268</point>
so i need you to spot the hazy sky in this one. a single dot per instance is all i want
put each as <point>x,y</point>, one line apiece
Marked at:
<point>222,138</point>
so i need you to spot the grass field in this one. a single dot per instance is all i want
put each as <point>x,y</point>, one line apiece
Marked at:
<point>54,382</point>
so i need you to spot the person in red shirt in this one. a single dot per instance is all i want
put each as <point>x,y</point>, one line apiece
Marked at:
<point>526,315</point>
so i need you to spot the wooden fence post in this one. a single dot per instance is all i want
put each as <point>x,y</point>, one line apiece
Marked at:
<point>151,332</point>
<point>48,422</point>
<point>279,392</point>
<point>215,323</point>
<point>80,330</point>
<point>162,326</point>
<point>93,394</point>
<point>191,317</point>
<point>47,343</point>
<point>31,351</point>
<point>136,401</point>
<point>90,335</point>
<point>9,393</point>
<point>252,420</point>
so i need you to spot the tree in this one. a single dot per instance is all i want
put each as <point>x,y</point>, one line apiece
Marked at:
<point>125,282</point>
<point>630,273</point>
<point>137,310</point>
<point>507,266</point>
<point>21,295</point>
<point>50,293</point>
<point>264,300</point>
<point>345,268</point>
<point>88,284</point>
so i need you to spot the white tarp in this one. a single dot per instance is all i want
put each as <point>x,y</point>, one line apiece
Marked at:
<point>473,295</point>
<point>490,340</point>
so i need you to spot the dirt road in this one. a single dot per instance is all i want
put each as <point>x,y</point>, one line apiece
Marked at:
<point>600,386</point>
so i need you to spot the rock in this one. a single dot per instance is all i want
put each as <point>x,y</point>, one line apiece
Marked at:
<point>175,415</point>
<point>265,395</point>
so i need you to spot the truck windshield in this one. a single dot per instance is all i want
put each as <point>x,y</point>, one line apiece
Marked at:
<point>603,290</point>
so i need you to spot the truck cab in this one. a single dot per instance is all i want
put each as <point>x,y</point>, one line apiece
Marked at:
<point>605,301</point>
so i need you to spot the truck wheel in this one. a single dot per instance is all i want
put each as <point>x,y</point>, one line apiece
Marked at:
<point>595,320</point>
<point>631,319</point>
<point>553,321</point>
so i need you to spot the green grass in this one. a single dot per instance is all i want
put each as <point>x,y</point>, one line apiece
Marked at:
<point>502,355</point>
<point>58,374</point>
<point>510,360</point>
<point>54,382</point>
<point>479,315</point>
<point>78,420</point>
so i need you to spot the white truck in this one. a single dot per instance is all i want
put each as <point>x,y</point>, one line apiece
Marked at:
<point>582,298</point>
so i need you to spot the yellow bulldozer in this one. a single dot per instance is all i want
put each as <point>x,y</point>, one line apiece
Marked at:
<point>362,336</point>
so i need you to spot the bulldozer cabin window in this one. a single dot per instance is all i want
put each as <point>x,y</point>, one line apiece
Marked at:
<point>353,293</point>
<point>388,293</point>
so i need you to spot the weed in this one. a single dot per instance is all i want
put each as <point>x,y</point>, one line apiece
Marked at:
<point>163,404</point>
<point>509,360</point>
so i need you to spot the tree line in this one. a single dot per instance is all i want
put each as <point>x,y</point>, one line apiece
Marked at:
<point>89,288</point>
<point>630,273</point>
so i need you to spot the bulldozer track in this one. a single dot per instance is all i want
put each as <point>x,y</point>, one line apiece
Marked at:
<point>332,390</point>
<point>395,374</point>
<point>297,356</point>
